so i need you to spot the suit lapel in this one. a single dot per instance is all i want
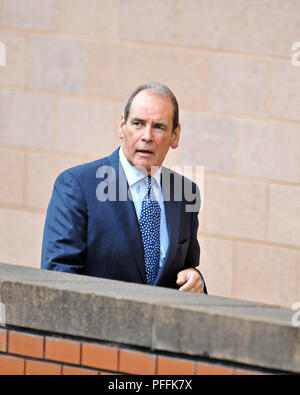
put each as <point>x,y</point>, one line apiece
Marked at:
<point>124,208</point>
<point>173,209</point>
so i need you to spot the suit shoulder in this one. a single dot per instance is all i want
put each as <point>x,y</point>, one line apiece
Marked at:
<point>182,189</point>
<point>85,170</point>
<point>177,177</point>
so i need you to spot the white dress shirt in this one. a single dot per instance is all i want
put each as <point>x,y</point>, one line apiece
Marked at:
<point>138,190</point>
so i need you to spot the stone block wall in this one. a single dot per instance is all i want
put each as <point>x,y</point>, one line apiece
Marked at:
<point>71,64</point>
<point>62,324</point>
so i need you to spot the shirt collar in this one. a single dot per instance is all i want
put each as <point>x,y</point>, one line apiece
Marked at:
<point>133,175</point>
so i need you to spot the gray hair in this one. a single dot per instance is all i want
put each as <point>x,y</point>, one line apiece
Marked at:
<point>162,91</point>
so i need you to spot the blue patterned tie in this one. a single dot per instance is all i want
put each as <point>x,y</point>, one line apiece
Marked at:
<point>150,229</point>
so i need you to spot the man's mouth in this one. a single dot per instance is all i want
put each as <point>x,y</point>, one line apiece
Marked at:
<point>145,152</point>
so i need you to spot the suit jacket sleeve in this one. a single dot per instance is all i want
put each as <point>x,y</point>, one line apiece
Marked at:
<point>193,253</point>
<point>64,241</point>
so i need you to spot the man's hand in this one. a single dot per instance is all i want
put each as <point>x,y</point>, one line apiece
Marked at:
<point>190,280</point>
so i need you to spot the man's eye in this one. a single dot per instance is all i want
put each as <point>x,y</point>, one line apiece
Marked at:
<point>137,123</point>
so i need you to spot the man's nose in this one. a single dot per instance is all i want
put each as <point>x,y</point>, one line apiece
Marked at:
<point>147,133</point>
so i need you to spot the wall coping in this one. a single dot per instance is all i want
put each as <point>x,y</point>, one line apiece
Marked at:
<point>154,318</point>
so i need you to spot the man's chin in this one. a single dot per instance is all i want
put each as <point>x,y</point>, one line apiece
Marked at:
<point>146,167</point>
<point>143,167</point>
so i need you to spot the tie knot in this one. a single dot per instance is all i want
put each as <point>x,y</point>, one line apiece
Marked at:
<point>149,182</point>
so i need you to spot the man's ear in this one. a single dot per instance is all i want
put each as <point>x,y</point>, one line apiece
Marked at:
<point>122,124</point>
<point>175,137</point>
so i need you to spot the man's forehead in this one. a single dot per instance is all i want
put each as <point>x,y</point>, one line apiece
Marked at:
<point>152,103</point>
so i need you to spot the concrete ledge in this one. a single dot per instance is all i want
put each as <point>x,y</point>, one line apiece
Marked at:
<point>157,319</point>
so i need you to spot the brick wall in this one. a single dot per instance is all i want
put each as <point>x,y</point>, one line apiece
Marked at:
<point>71,65</point>
<point>25,353</point>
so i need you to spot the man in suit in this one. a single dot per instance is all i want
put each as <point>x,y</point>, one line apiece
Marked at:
<point>126,217</point>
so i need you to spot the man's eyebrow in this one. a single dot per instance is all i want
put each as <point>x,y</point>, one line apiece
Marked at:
<point>159,123</point>
<point>156,123</point>
<point>136,119</point>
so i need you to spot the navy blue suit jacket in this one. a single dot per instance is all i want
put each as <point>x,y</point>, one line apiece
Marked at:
<point>102,238</point>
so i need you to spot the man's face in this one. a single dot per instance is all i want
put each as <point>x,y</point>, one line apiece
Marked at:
<point>147,134</point>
